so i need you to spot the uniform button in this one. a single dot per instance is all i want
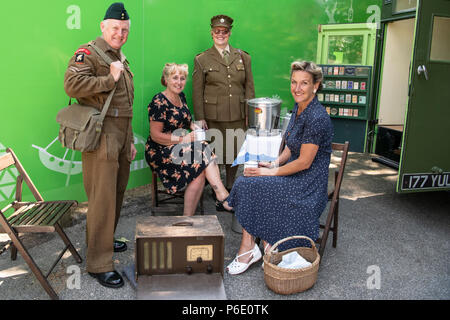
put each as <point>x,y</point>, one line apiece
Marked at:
<point>228,67</point>
<point>230,86</point>
<point>231,95</point>
<point>229,76</point>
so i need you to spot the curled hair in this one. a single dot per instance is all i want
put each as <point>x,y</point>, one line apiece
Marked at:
<point>170,68</point>
<point>311,68</point>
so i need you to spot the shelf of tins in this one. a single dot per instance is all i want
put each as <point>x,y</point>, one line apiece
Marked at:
<point>346,90</point>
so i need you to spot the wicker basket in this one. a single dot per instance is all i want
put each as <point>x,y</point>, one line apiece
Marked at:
<point>288,281</point>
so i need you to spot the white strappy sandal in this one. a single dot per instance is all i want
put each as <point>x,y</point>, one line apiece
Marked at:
<point>237,267</point>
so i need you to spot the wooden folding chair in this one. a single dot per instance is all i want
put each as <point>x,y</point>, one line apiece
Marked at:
<point>156,201</point>
<point>331,223</point>
<point>33,217</point>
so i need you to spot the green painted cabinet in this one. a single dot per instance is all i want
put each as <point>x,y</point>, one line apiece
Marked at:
<point>349,46</point>
<point>346,95</point>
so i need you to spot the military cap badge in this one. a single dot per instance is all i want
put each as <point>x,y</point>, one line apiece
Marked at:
<point>221,20</point>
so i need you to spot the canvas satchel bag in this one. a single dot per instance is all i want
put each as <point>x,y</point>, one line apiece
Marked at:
<point>80,126</point>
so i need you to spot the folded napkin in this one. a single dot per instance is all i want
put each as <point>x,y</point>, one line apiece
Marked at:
<point>293,260</point>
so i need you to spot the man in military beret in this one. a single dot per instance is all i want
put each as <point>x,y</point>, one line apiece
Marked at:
<point>90,78</point>
<point>222,81</point>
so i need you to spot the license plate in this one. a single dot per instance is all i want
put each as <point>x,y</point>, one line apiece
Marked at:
<point>426,181</point>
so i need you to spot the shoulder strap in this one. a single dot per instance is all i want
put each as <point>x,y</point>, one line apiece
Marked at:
<point>107,103</point>
<point>100,52</point>
<point>108,60</point>
<point>240,53</point>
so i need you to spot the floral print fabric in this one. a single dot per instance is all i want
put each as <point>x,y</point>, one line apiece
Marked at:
<point>177,165</point>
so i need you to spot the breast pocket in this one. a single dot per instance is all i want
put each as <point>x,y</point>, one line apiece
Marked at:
<point>240,67</point>
<point>212,74</point>
<point>102,69</point>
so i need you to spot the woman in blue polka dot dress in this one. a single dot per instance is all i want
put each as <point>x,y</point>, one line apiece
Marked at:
<point>286,197</point>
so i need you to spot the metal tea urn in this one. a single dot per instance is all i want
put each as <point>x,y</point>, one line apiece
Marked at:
<point>264,113</point>
<point>263,120</point>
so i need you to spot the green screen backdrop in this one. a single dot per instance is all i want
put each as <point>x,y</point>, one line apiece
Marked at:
<point>41,36</point>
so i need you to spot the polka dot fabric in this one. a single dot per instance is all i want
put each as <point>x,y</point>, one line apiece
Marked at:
<point>273,208</point>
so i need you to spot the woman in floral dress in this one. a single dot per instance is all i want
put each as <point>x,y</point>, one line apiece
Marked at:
<point>181,162</point>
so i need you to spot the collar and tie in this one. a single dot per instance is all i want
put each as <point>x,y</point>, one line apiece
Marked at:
<point>226,56</point>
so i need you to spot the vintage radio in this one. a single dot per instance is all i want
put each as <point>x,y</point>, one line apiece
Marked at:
<point>179,258</point>
<point>178,244</point>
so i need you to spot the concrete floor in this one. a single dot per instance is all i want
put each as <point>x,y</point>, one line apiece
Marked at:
<point>390,246</point>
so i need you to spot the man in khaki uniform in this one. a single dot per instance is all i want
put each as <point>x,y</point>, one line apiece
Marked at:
<point>222,81</point>
<point>90,79</point>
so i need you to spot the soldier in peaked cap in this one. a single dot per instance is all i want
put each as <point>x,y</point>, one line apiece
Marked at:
<point>222,81</point>
<point>90,78</point>
<point>222,21</point>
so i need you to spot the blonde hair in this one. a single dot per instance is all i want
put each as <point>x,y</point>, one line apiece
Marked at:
<point>311,68</point>
<point>170,68</point>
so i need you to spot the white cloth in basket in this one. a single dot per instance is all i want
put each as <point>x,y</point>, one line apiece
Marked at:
<point>293,260</point>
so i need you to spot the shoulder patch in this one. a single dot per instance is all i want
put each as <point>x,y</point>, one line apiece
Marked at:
<point>79,58</point>
<point>83,50</point>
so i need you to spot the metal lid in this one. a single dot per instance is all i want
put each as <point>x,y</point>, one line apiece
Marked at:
<point>267,102</point>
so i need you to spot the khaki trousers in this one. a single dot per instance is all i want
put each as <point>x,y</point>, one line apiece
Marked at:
<point>232,153</point>
<point>105,177</point>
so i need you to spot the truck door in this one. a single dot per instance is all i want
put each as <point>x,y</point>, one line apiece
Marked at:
<point>425,159</point>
